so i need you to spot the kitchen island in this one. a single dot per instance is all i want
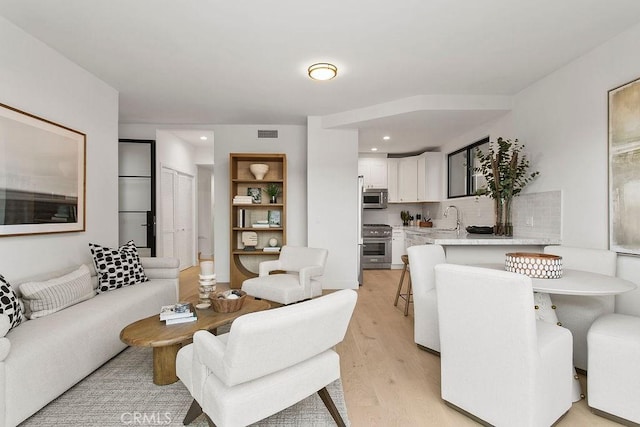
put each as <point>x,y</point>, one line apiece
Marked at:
<point>465,248</point>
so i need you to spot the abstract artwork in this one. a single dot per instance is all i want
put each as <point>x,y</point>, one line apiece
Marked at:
<point>624,168</point>
<point>42,175</point>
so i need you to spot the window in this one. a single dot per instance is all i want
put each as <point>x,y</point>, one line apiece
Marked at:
<point>462,178</point>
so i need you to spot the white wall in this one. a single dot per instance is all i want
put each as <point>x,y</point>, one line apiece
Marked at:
<point>332,205</point>
<point>36,79</point>
<point>562,119</point>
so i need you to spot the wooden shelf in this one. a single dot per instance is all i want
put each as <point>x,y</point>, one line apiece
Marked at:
<point>240,180</point>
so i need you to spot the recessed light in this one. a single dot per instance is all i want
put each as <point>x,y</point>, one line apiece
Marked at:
<point>374,149</point>
<point>386,137</point>
<point>322,71</point>
<point>204,138</point>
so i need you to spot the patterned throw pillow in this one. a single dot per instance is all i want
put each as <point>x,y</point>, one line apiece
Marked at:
<point>117,267</point>
<point>9,303</point>
<point>44,298</point>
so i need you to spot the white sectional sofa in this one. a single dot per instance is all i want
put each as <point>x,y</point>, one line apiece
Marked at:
<point>48,355</point>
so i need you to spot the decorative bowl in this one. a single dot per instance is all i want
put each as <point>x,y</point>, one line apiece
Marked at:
<point>221,303</point>
<point>259,170</point>
<point>538,266</point>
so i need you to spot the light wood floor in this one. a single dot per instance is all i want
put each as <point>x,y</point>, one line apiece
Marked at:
<point>387,379</point>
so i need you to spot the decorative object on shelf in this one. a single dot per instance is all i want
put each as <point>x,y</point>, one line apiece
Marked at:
<point>539,266</point>
<point>405,217</point>
<point>256,194</point>
<point>274,219</point>
<point>479,229</point>
<point>505,170</point>
<point>228,301</point>
<point>272,190</point>
<point>259,170</point>
<point>624,167</point>
<point>273,242</point>
<point>249,240</point>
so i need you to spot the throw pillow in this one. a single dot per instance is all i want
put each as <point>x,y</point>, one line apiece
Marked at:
<point>9,303</point>
<point>43,298</point>
<point>117,267</point>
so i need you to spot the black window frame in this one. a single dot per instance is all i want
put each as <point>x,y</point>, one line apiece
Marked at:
<point>470,155</point>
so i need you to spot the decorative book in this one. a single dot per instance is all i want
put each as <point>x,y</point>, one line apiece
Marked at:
<point>172,312</point>
<point>193,318</point>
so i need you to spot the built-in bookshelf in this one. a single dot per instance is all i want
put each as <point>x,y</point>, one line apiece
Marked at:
<point>252,211</point>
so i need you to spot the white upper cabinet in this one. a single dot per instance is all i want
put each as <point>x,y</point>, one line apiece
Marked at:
<point>374,171</point>
<point>416,178</point>
<point>430,177</point>
<point>392,180</point>
<point>408,179</point>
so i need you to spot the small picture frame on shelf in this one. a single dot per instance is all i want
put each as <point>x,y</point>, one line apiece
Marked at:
<point>274,219</point>
<point>256,194</point>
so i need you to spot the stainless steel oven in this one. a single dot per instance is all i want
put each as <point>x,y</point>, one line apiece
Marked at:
<point>376,251</point>
<point>375,198</point>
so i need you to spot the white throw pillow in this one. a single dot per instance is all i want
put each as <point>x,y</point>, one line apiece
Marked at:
<point>43,298</point>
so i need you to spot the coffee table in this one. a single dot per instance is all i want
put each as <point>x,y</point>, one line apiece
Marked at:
<point>166,340</point>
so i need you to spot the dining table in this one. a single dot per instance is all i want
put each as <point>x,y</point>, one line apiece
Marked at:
<point>571,282</point>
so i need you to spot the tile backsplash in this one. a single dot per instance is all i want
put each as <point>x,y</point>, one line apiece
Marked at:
<point>534,214</point>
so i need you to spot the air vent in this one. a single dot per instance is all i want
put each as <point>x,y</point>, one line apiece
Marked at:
<point>267,133</point>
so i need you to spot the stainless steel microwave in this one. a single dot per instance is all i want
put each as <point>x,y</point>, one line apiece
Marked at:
<point>375,198</point>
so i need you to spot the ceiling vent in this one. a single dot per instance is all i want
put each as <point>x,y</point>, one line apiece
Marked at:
<point>267,133</point>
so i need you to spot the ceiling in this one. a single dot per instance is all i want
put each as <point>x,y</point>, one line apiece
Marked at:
<point>244,61</point>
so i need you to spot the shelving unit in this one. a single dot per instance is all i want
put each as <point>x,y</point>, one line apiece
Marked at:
<point>244,263</point>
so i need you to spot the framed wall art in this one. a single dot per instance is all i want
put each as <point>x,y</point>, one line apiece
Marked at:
<point>624,168</point>
<point>42,175</point>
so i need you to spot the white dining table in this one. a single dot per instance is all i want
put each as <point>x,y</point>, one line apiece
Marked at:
<point>572,282</point>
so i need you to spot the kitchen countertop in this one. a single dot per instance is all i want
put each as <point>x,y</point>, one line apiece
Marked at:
<point>445,238</point>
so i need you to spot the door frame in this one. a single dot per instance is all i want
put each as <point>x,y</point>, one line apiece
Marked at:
<point>151,215</point>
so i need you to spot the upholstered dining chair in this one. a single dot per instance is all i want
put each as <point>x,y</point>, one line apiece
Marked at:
<point>578,312</point>
<point>302,266</point>
<point>267,362</point>
<point>498,363</point>
<point>423,258</point>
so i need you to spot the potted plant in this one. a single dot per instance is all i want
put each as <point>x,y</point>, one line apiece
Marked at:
<point>506,172</point>
<point>405,217</point>
<point>272,190</point>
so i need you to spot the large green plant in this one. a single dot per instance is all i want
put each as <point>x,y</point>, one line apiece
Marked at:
<point>505,168</point>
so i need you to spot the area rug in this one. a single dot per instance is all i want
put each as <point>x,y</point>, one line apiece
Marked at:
<point>122,393</point>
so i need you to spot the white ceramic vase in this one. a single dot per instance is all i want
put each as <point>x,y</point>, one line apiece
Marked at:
<point>259,170</point>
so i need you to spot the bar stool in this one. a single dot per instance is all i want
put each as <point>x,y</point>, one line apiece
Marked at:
<point>407,297</point>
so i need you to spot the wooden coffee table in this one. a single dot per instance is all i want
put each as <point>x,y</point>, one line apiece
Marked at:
<point>166,340</point>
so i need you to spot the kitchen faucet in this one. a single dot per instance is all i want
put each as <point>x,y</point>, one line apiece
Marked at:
<point>446,213</point>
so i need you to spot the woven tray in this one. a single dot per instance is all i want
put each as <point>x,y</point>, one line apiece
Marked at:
<point>539,266</point>
<point>224,305</point>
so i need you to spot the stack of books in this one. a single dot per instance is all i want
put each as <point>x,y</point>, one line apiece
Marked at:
<point>171,315</point>
<point>242,200</point>
<point>261,224</point>
<point>271,249</point>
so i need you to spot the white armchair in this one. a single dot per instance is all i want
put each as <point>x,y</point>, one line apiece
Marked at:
<point>578,312</point>
<point>303,268</point>
<point>268,361</point>
<point>498,362</point>
<point>422,259</point>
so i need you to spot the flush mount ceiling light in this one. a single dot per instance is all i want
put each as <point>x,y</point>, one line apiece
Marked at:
<point>386,138</point>
<point>204,138</point>
<point>374,149</point>
<point>322,71</point>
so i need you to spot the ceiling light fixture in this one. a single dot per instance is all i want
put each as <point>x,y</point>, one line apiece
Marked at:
<point>322,71</point>
<point>204,138</point>
<point>386,138</point>
<point>374,149</point>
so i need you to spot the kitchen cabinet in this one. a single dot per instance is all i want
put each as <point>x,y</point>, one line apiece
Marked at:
<point>397,248</point>
<point>408,179</point>
<point>430,177</point>
<point>374,171</point>
<point>392,180</point>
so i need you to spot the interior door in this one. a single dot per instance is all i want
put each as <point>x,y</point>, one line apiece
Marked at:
<point>136,194</point>
<point>178,216</point>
